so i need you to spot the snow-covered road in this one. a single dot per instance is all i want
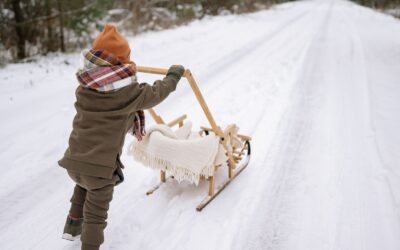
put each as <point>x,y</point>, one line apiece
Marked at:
<point>315,83</point>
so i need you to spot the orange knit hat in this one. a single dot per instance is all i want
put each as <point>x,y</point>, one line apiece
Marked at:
<point>113,42</point>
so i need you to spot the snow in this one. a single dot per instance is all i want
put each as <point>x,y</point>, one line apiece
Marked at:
<point>315,83</point>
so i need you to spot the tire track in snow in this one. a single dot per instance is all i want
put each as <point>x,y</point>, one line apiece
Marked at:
<point>266,229</point>
<point>365,164</point>
<point>220,65</point>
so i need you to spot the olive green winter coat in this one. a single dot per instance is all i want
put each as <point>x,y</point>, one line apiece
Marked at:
<point>102,121</point>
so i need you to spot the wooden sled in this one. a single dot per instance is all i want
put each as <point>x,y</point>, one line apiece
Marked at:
<point>238,157</point>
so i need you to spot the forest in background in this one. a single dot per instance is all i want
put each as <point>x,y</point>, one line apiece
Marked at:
<point>38,27</point>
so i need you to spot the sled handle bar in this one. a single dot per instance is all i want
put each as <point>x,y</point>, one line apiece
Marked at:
<point>159,71</point>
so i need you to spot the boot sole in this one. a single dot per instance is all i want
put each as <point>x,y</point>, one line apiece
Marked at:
<point>70,237</point>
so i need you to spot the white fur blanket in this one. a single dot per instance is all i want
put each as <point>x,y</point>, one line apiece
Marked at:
<point>181,153</point>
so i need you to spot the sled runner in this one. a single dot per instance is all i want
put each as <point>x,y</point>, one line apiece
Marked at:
<point>236,147</point>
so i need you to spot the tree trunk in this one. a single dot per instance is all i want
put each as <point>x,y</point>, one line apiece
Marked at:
<point>19,29</point>
<point>61,19</point>
<point>50,42</point>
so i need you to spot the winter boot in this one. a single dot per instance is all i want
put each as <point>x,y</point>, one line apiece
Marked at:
<point>72,228</point>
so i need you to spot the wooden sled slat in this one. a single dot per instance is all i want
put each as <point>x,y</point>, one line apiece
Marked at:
<point>220,188</point>
<point>158,185</point>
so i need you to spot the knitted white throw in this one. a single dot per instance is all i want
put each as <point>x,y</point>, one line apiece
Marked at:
<point>185,157</point>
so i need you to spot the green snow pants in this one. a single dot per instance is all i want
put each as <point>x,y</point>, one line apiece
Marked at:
<point>91,198</point>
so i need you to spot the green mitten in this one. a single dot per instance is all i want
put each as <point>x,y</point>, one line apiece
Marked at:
<point>176,71</point>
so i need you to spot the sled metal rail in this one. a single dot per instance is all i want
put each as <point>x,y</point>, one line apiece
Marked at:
<point>234,169</point>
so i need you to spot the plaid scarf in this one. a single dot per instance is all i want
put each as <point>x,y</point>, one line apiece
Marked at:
<point>104,72</point>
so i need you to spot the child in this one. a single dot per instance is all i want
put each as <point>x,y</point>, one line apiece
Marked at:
<point>109,103</point>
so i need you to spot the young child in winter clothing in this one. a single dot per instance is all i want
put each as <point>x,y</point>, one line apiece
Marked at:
<point>109,103</point>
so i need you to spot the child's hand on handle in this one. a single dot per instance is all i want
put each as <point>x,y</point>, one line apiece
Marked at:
<point>176,71</point>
